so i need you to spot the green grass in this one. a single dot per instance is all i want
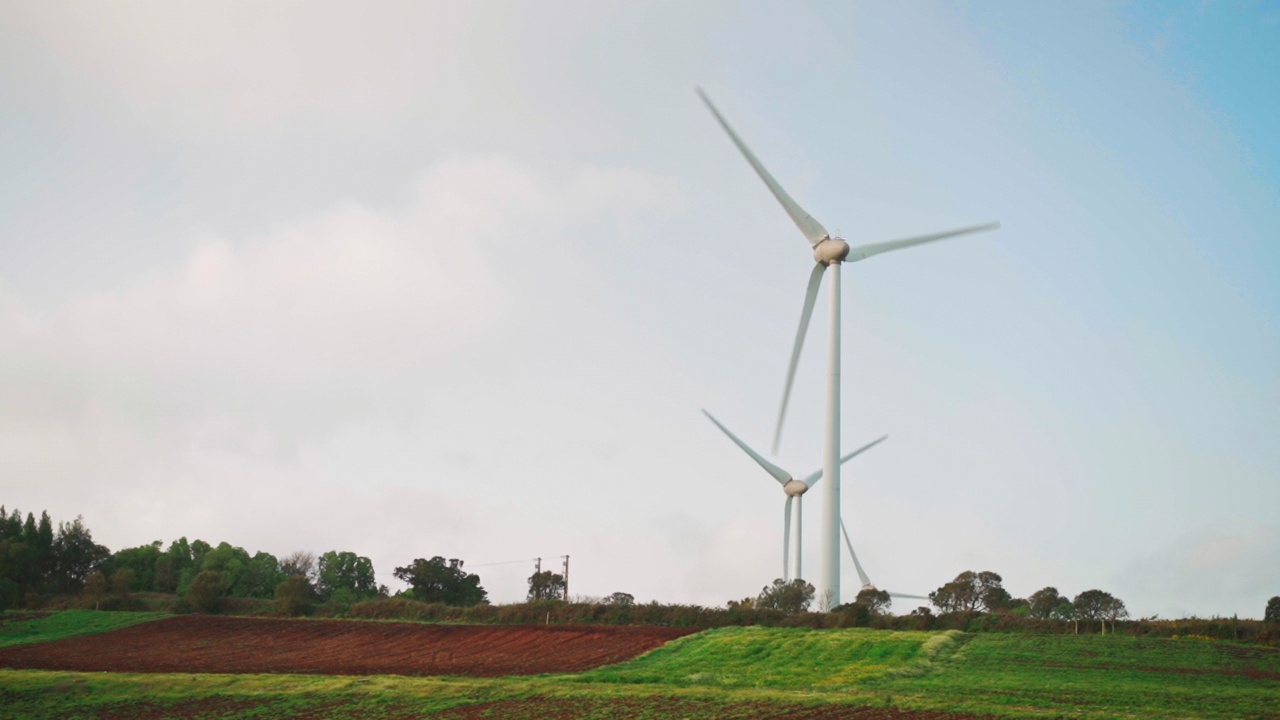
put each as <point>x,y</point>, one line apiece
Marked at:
<point>725,673</point>
<point>795,658</point>
<point>36,694</point>
<point>1095,676</point>
<point>18,629</point>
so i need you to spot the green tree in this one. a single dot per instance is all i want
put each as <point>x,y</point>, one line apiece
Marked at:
<point>75,555</point>
<point>345,577</point>
<point>972,591</point>
<point>16,562</point>
<point>1273,610</point>
<point>30,532</point>
<point>958,595</point>
<point>142,561</point>
<point>10,593</point>
<point>1020,607</point>
<point>96,587</point>
<point>293,596</point>
<point>261,576</point>
<point>620,599</point>
<point>442,581</point>
<point>876,601</point>
<point>546,585</point>
<point>789,597</point>
<point>44,548</point>
<point>193,563</point>
<point>172,565</point>
<point>122,583</point>
<point>1064,610</point>
<point>13,526</point>
<point>1100,606</point>
<point>1113,609</point>
<point>229,562</point>
<point>991,593</point>
<point>29,573</point>
<point>204,594</point>
<point>1043,601</point>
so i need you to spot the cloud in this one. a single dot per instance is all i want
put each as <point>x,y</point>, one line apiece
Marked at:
<point>326,382</point>
<point>1209,570</point>
<point>234,65</point>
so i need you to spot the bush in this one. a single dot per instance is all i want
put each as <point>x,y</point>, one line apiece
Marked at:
<point>122,583</point>
<point>204,594</point>
<point>293,596</point>
<point>789,597</point>
<point>96,588</point>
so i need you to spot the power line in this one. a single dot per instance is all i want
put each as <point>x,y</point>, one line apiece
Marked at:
<point>504,562</point>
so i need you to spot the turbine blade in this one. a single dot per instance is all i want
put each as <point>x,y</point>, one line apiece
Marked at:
<point>856,565</point>
<point>908,597</point>
<point>810,297</point>
<point>786,541</point>
<point>782,476</point>
<point>812,229</point>
<point>813,477</point>
<point>862,252</point>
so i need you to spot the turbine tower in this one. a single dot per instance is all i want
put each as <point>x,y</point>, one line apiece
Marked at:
<point>830,252</point>
<point>795,490</point>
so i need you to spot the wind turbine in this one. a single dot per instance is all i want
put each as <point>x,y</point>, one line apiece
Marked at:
<point>795,490</point>
<point>828,251</point>
<point>862,575</point>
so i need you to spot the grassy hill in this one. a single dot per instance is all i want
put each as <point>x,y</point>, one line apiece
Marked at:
<point>745,672</point>
<point>783,658</point>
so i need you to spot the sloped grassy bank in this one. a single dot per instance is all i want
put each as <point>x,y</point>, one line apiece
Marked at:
<point>737,672</point>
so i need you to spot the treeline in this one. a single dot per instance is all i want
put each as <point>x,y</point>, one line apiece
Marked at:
<point>39,565</point>
<point>36,561</point>
<point>44,567</point>
<point>607,611</point>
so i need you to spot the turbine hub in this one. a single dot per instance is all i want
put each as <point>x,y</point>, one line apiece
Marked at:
<point>831,251</point>
<point>795,488</point>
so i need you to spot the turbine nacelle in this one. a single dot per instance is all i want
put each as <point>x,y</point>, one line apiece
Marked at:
<point>795,488</point>
<point>831,251</point>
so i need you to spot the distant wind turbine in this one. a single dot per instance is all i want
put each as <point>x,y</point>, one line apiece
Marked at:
<point>830,252</point>
<point>862,575</point>
<point>795,490</point>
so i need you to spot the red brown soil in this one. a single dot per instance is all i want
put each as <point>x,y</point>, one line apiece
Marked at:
<point>644,708</point>
<point>203,644</point>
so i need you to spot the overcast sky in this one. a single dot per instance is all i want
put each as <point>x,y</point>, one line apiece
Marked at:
<point>455,279</point>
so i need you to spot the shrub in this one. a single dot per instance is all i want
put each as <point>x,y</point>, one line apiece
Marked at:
<point>204,594</point>
<point>293,596</point>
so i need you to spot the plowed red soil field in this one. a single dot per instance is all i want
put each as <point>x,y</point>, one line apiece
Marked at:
<point>203,644</point>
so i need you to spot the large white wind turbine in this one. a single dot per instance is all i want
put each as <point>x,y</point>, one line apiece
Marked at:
<point>830,252</point>
<point>795,490</point>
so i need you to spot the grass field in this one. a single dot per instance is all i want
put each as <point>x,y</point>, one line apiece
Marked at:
<point>727,673</point>
<point>23,628</point>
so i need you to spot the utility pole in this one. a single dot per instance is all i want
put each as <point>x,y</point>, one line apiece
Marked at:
<point>566,578</point>
<point>537,568</point>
